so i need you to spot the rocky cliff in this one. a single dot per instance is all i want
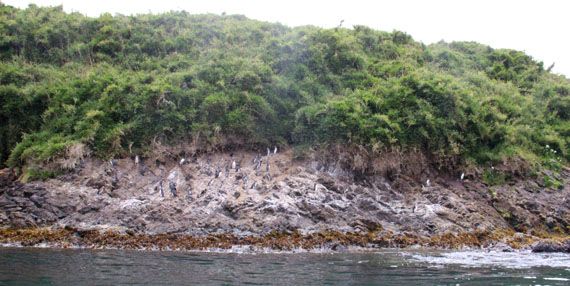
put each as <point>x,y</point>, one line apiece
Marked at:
<point>248,193</point>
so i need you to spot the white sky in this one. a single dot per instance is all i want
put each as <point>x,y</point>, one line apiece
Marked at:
<point>540,27</point>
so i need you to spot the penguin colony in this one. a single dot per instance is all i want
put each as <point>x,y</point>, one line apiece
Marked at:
<point>232,166</point>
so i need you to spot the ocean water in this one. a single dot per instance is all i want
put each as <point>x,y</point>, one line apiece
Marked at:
<point>25,266</point>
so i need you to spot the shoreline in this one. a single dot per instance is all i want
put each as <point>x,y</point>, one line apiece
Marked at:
<point>275,242</point>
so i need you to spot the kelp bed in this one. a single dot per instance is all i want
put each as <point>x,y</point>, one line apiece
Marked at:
<point>69,237</point>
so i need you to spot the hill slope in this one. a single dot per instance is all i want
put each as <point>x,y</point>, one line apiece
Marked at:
<point>177,84</point>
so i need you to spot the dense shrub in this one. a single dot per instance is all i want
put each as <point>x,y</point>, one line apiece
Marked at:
<point>118,85</point>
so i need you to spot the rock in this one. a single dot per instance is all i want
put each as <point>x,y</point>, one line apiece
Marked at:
<point>552,247</point>
<point>348,202</point>
<point>329,183</point>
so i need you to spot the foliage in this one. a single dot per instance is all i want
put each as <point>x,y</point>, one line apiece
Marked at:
<point>123,84</point>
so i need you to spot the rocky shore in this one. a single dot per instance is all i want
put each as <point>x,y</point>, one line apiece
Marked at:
<point>273,201</point>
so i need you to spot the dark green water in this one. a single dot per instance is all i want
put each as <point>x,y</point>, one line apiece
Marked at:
<point>20,266</point>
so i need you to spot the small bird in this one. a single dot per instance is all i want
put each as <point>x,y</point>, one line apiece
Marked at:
<point>137,160</point>
<point>462,176</point>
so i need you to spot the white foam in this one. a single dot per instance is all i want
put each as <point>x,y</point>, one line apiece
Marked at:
<point>556,279</point>
<point>515,260</point>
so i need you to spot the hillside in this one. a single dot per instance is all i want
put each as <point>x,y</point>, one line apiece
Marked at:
<point>175,85</point>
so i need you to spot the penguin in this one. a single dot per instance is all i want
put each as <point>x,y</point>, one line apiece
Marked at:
<point>234,165</point>
<point>142,170</point>
<point>268,152</point>
<point>160,188</point>
<point>428,183</point>
<point>137,160</point>
<point>315,187</point>
<point>267,167</point>
<point>182,161</point>
<point>112,162</point>
<point>275,150</point>
<point>210,182</point>
<point>172,187</point>
<point>217,173</point>
<point>208,160</point>
<point>462,176</point>
<point>189,193</point>
<point>253,185</point>
<point>227,171</point>
<point>254,159</point>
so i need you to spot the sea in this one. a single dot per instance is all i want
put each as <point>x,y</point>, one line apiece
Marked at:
<point>50,266</point>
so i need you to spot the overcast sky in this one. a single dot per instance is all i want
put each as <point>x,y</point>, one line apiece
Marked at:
<point>540,27</point>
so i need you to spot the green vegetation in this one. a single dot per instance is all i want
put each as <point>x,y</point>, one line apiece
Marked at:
<point>73,86</point>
